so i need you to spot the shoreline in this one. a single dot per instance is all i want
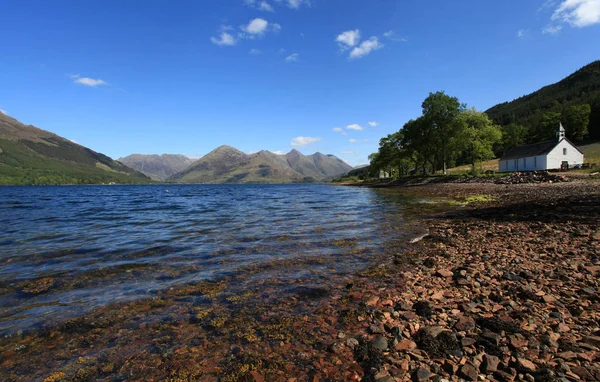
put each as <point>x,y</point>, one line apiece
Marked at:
<point>502,289</point>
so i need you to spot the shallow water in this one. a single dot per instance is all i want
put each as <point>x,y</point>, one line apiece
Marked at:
<point>65,250</point>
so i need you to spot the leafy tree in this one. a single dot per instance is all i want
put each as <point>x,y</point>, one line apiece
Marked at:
<point>476,136</point>
<point>441,111</point>
<point>576,119</point>
<point>548,127</point>
<point>513,135</point>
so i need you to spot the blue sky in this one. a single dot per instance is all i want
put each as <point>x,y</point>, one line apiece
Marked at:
<point>334,76</point>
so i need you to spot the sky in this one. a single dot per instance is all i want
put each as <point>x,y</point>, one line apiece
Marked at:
<point>184,77</point>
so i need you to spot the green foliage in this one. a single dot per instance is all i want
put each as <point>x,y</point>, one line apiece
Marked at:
<point>580,88</point>
<point>476,136</point>
<point>440,112</point>
<point>576,119</point>
<point>512,135</point>
<point>446,132</point>
<point>548,127</point>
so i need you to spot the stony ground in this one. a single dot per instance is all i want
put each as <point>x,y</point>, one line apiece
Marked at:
<point>503,288</point>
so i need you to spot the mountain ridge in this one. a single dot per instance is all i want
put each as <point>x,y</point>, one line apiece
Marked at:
<point>226,164</point>
<point>30,155</point>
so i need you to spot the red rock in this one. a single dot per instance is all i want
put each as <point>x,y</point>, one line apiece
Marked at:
<point>465,324</point>
<point>526,365</point>
<point>257,376</point>
<point>444,273</point>
<point>406,345</point>
<point>489,364</point>
<point>372,301</point>
<point>567,355</point>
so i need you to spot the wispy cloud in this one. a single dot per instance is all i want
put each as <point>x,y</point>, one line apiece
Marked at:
<point>373,124</point>
<point>87,81</point>
<point>392,36</point>
<point>295,4</point>
<point>3,112</point>
<point>279,152</point>
<point>552,29</point>
<point>260,5</point>
<point>355,126</point>
<point>352,140</point>
<point>578,13</point>
<point>258,27</point>
<point>521,33</point>
<point>254,52</point>
<point>292,57</point>
<point>366,47</point>
<point>349,153</point>
<point>339,130</point>
<point>304,141</point>
<point>225,39</point>
<point>348,39</point>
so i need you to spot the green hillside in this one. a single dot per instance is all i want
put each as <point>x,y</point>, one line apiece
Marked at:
<point>30,156</point>
<point>580,88</point>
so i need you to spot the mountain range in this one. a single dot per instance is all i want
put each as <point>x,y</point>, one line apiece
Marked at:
<point>29,155</point>
<point>229,165</point>
<point>157,167</point>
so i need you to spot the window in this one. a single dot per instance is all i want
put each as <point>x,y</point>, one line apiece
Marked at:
<point>565,151</point>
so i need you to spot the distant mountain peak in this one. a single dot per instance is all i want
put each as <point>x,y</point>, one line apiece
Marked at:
<point>226,164</point>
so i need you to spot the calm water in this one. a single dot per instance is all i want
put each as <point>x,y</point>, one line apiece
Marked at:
<point>65,250</point>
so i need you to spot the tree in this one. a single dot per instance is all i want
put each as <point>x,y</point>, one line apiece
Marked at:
<point>548,127</point>
<point>441,111</point>
<point>417,143</point>
<point>513,135</point>
<point>576,119</point>
<point>476,136</point>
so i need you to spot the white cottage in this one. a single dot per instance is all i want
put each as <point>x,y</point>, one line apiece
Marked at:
<point>555,154</point>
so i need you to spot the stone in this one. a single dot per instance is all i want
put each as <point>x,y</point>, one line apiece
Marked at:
<point>465,324</point>
<point>405,345</point>
<point>592,340</point>
<point>526,365</point>
<point>444,273</point>
<point>489,364</point>
<point>422,375</point>
<point>380,343</point>
<point>468,372</point>
<point>466,341</point>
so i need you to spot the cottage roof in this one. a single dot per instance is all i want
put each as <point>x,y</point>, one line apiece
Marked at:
<point>535,149</point>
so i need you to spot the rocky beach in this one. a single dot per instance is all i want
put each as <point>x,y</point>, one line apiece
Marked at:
<point>503,287</point>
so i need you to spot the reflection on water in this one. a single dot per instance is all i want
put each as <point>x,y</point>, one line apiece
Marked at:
<point>65,250</point>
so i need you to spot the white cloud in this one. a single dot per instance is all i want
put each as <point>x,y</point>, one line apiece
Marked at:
<point>278,152</point>
<point>337,129</point>
<point>254,52</point>
<point>257,26</point>
<point>578,13</point>
<point>552,29</point>
<point>225,39</point>
<point>355,126</point>
<point>260,5</point>
<point>3,112</point>
<point>87,81</point>
<point>352,140</point>
<point>348,39</point>
<point>391,35</point>
<point>365,140</point>
<point>373,124</point>
<point>366,47</point>
<point>292,57</point>
<point>521,33</point>
<point>304,141</point>
<point>295,4</point>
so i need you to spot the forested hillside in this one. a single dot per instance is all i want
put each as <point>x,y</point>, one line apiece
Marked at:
<point>533,117</point>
